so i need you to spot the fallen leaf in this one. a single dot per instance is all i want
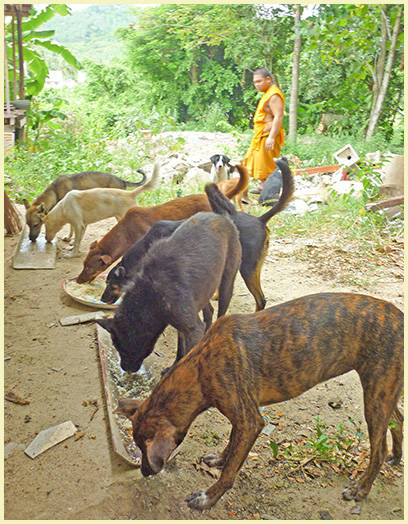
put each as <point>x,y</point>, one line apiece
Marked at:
<point>299,479</point>
<point>13,397</point>
<point>202,466</point>
<point>79,435</point>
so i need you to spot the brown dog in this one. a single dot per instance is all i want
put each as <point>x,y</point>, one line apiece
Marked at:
<point>61,186</point>
<point>246,361</point>
<point>138,220</point>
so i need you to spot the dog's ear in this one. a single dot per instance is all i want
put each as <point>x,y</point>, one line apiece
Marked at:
<point>159,449</point>
<point>213,158</point>
<point>226,159</point>
<point>26,204</point>
<point>107,259</point>
<point>106,323</point>
<point>128,407</point>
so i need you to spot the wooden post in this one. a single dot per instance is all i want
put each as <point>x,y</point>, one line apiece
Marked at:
<point>20,51</point>
<point>6,78</point>
<point>13,35</point>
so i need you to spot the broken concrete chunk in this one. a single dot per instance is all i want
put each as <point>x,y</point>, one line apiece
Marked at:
<point>49,437</point>
<point>79,319</point>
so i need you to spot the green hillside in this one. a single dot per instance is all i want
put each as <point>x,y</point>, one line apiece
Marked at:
<point>89,33</point>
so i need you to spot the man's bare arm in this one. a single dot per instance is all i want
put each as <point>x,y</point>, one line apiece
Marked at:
<point>275,106</point>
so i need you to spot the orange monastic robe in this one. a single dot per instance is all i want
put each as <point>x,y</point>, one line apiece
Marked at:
<point>258,160</point>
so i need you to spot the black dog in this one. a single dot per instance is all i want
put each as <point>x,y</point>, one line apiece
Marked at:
<point>272,186</point>
<point>121,275</point>
<point>176,280</point>
<point>253,233</point>
<point>253,236</point>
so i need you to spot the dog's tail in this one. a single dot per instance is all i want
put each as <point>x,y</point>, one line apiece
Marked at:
<point>153,182</point>
<point>219,203</point>
<point>242,182</point>
<point>136,184</point>
<point>288,188</point>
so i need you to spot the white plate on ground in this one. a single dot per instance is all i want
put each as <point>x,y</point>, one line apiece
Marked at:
<point>88,293</point>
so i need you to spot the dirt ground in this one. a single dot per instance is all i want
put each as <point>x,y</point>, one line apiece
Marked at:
<point>57,370</point>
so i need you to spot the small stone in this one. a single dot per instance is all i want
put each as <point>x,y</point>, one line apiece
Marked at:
<point>325,515</point>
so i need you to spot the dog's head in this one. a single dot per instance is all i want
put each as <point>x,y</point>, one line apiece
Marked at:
<point>220,161</point>
<point>35,214</point>
<point>95,262</point>
<point>134,332</point>
<point>153,433</point>
<point>116,279</point>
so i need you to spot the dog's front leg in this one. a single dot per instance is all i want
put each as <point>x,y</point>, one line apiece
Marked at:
<point>79,233</point>
<point>69,236</point>
<point>243,436</point>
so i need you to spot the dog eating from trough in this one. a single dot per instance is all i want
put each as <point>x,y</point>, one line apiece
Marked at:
<point>61,186</point>
<point>176,280</point>
<point>246,361</point>
<point>81,208</point>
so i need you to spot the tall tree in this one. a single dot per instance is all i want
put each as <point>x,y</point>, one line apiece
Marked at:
<point>293,106</point>
<point>360,37</point>
<point>383,76</point>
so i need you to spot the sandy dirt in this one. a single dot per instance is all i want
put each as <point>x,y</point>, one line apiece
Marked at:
<point>57,369</point>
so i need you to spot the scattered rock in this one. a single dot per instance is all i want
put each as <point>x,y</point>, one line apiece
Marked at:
<point>356,510</point>
<point>50,437</point>
<point>325,515</point>
<point>269,429</point>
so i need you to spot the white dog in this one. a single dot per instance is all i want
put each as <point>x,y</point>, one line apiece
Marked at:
<point>221,168</point>
<point>82,207</point>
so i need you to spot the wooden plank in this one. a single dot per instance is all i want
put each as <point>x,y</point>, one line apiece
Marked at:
<point>320,169</point>
<point>34,255</point>
<point>386,203</point>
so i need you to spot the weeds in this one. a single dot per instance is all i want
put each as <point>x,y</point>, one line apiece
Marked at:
<point>324,445</point>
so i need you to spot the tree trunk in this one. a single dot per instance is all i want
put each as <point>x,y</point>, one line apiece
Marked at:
<point>384,86</point>
<point>295,78</point>
<point>379,65</point>
<point>12,219</point>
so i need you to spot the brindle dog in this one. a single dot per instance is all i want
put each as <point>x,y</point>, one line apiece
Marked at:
<point>60,187</point>
<point>246,361</point>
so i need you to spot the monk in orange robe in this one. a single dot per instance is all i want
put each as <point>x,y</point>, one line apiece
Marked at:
<point>269,135</point>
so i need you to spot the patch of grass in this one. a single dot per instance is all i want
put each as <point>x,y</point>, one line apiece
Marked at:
<point>324,445</point>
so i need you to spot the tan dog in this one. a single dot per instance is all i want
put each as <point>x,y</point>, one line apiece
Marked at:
<point>246,361</point>
<point>225,186</point>
<point>60,187</point>
<point>80,208</point>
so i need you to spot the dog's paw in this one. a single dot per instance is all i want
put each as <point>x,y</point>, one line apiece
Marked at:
<point>350,492</point>
<point>393,461</point>
<point>355,492</point>
<point>213,459</point>
<point>198,500</point>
